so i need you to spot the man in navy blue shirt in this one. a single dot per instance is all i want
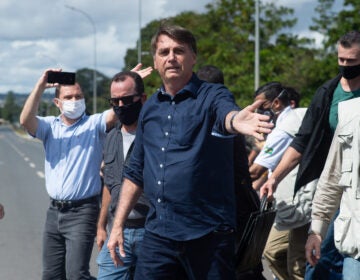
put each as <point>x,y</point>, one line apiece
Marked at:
<point>189,184</point>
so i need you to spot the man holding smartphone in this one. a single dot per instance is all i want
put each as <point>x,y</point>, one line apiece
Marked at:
<point>73,143</point>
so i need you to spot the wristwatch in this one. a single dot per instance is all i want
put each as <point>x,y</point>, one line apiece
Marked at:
<point>310,232</point>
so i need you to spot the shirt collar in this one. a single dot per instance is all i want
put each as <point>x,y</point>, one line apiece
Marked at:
<point>58,118</point>
<point>191,89</point>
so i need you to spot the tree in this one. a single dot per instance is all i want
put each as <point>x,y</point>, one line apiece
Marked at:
<point>84,77</point>
<point>346,20</point>
<point>11,110</point>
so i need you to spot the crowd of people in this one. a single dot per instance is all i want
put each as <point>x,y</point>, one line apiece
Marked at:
<point>166,185</point>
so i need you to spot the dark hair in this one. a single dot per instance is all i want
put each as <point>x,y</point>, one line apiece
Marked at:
<point>293,95</point>
<point>350,38</point>
<point>273,90</point>
<point>57,91</point>
<point>139,83</point>
<point>58,88</point>
<point>211,74</point>
<point>177,33</point>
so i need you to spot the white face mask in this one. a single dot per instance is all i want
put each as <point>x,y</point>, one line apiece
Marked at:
<point>73,109</point>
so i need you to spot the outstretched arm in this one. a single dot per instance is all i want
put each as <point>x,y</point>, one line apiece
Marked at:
<point>248,122</point>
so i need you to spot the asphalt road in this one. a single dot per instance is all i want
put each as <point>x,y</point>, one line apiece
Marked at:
<point>23,194</point>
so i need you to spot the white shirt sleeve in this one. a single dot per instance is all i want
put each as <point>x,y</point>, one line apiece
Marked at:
<point>275,145</point>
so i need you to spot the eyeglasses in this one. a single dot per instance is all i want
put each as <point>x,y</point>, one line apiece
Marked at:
<point>126,100</point>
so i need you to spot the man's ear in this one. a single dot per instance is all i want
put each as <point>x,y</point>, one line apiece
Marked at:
<point>56,102</point>
<point>277,103</point>
<point>194,58</point>
<point>154,63</point>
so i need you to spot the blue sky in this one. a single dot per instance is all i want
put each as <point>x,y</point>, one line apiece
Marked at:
<point>40,34</point>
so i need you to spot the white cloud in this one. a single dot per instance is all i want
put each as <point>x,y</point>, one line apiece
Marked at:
<point>39,34</point>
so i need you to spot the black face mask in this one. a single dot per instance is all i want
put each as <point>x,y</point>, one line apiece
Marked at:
<point>266,112</point>
<point>350,72</point>
<point>128,114</point>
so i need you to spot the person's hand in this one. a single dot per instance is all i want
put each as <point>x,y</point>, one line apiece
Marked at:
<point>102,169</point>
<point>101,236</point>
<point>251,123</point>
<point>312,248</point>
<point>268,189</point>
<point>142,72</point>
<point>2,212</point>
<point>42,82</point>
<point>259,144</point>
<point>116,240</point>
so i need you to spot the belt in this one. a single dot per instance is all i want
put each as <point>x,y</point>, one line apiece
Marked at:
<point>67,204</point>
<point>135,223</point>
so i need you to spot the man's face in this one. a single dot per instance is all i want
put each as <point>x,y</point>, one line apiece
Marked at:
<point>123,92</point>
<point>69,93</point>
<point>349,56</point>
<point>174,61</point>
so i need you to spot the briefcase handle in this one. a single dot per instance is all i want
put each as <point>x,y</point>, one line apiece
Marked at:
<point>264,204</point>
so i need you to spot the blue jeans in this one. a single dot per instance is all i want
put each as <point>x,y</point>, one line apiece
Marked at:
<point>132,246</point>
<point>68,241</point>
<point>330,264</point>
<point>208,257</point>
<point>351,269</point>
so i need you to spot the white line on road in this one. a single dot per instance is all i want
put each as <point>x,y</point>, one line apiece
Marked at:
<point>15,148</point>
<point>40,174</point>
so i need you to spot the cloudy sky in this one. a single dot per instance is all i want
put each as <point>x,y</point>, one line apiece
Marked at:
<point>40,34</point>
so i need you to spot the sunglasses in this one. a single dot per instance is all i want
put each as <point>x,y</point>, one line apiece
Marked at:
<point>126,100</point>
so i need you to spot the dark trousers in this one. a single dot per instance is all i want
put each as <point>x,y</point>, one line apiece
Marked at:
<point>68,241</point>
<point>208,257</point>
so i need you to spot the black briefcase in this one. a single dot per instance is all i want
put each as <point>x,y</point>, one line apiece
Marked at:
<point>250,249</point>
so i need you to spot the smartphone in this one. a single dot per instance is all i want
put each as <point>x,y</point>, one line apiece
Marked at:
<point>63,78</point>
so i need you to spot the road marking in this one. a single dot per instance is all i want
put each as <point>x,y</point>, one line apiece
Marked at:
<point>27,159</point>
<point>40,174</point>
<point>16,149</point>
